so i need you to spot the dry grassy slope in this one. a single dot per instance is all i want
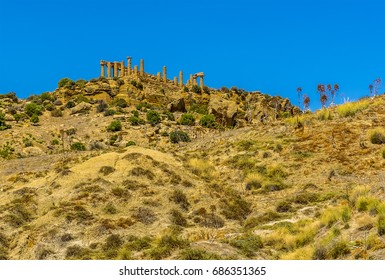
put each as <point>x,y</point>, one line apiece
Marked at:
<point>263,192</point>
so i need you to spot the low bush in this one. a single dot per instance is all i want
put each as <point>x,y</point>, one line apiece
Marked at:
<point>153,117</point>
<point>377,136</point>
<point>33,109</point>
<point>77,146</point>
<point>187,119</point>
<point>208,121</point>
<point>3,125</point>
<point>249,244</point>
<point>120,102</point>
<point>115,126</point>
<point>179,136</point>
<point>66,82</point>
<point>57,113</point>
<point>196,89</point>
<point>144,215</point>
<point>136,121</point>
<point>179,197</point>
<point>34,118</point>
<point>177,218</point>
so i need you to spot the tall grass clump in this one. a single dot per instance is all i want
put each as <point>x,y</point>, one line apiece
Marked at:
<point>350,109</point>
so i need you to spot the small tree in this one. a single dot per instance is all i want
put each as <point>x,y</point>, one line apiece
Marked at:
<point>299,94</point>
<point>322,92</point>
<point>306,102</point>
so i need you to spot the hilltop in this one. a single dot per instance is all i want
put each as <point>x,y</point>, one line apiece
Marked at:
<point>137,168</point>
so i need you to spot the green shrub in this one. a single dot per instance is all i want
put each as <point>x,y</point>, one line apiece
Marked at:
<point>235,208</point>
<point>33,109</point>
<point>248,244</point>
<point>3,125</point>
<point>196,89</point>
<point>208,121</point>
<point>70,104</point>
<point>199,108</point>
<point>115,126</point>
<point>6,150</point>
<point>136,84</point>
<point>135,113</point>
<point>81,83</point>
<point>187,119</point>
<point>169,115</point>
<point>120,102</point>
<point>377,137</point>
<point>56,113</point>
<point>143,106</point>
<point>77,253</point>
<point>153,117</point>
<point>34,118</point>
<point>179,136</point>
<point>130,143</point>
<point>77,146</point>
<point>66,82</point>
<point>113,139</point>
<point>109,112</point>
<point>136,121</point>
<point>46,96</point>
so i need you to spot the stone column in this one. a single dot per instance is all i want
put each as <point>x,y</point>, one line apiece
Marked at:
<point>122,69</point>
<point>181,78</point>
<point>191,80</point>
<point>109,69</point>
<point>136,70</point>
<point>164,74</point>
<point>141,69</point>
<point>102,68</point>
<point>158,77</point>
<point>201,82</point>
<point>175,80</point>
<point>115,69</point>
<point>129,59</point>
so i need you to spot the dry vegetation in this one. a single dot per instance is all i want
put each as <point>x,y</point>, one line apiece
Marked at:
<point>97,185</point>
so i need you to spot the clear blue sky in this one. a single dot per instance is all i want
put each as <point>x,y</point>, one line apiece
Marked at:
<point>273,46</point>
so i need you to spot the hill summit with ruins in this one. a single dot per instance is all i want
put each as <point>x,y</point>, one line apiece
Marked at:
<point>133,165</point>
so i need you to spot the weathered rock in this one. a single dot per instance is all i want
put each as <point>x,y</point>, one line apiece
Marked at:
<point>223,110</point>
<point>58,102</point>
<point>32,151</point>
<point>81,108</point>
<point>177,105</point>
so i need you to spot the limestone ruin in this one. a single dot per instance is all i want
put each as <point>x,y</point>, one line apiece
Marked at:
<point>117,69</point>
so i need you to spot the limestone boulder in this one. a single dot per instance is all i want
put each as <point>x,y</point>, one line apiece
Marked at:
<point>224,110</point>
<point>177,105</point>
<point>81,108</point>
<point>32,151</point>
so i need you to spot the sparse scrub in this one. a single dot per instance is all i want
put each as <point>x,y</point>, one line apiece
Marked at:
<point>78,253</point>
<point>202,168</point>
<point>377,136</point>
<point>120,102</point>
<point>180,198</point>
<point>56,113</point>
<point>197,254</point>
<point>333,214</point>
<point>3,125</point>
<point>139,171</point>
<point>144,215</point>
<point>166,245</point>
<point>110,209</point>
<point>106,170</point>
<point>249,244</point>
<point>235,207</point>
<point>177,218</point>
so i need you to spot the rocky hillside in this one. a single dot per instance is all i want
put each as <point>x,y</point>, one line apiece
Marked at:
<point>139,169</point>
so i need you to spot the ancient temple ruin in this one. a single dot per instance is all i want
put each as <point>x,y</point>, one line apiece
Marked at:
<point>118,69</point>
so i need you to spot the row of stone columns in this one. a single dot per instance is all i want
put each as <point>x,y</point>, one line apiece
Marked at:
<point>119,69</point>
